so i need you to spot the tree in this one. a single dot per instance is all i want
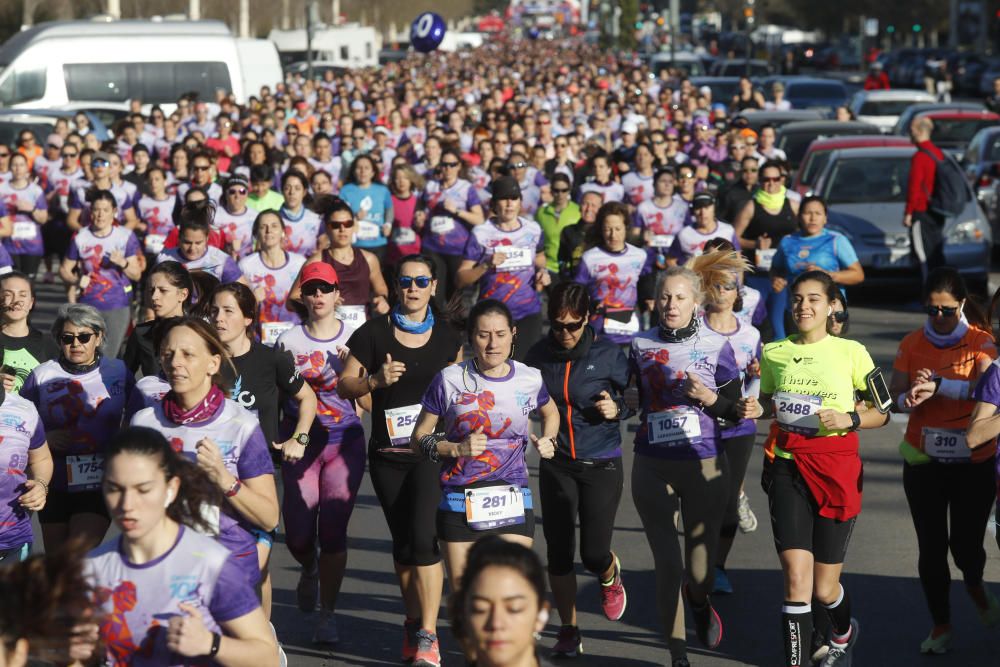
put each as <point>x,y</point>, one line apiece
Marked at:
<point>626,23</point>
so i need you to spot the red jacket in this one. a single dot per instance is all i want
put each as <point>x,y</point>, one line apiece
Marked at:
<point>922,172</point>
<point>831,468</point>
<point>878,81</point>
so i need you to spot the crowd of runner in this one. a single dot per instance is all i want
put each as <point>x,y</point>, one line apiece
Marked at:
<point>488,252</point>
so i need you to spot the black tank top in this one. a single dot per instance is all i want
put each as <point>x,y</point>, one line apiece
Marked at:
<point>355,278</point>
<point>776,225</point>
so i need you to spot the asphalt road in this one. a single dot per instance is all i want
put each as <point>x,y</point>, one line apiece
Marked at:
<point>880,572</point>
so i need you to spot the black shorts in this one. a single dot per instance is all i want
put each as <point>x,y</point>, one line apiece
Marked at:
<point>795,519</point>
<point>453,527</point>
<point>60,506</point>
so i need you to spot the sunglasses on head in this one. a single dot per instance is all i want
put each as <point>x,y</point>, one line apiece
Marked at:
<point>422,281</point>
<point>559,327</point>
<point>314,288</point>
<point>946,311</point>
<point>340,224</point>
<point>68,338</point>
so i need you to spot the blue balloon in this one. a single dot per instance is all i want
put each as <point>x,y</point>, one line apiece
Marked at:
<point>427,31</point>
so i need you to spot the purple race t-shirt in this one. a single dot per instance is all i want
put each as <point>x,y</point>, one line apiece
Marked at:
<point>21,430</point>
<point>26,235</point>
<point>90,406</point>
<point>443,232</point>
<point>215,261</point>
<point>244,453</point>
<point>680,428</point>
<point>466,400</point>
<point>988,391</point>
<point>745,342</point>
<point>612,278</point>
<point>319,364</point>
<point>513,282</point>
<point>136,602</point>
<point>109,287</point>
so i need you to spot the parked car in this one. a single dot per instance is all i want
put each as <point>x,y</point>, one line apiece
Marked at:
<point>953,130</point>
<point>739,66</point>
<point>760,118</point>
<point>981,163</point>
<point>685,61</point>
<point>902,125</point>
<point>822,94</point>
<point>794,138</point>
<point>865,190</point>
<point>819,151</point>
<point>108,112</point>
<point>883,107</point>
<point>723,87</point>
<point>41,122</point>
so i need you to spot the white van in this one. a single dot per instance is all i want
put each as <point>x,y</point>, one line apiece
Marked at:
<point>54,64</point>
<point>348,45</point>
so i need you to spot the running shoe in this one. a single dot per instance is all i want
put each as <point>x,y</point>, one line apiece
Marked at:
<point>569,643</point>
<point>707,623</point>
<point>991,615</point>
<point>722,583</point>
<point>840,655</point>
<point>680,662</point>
<point>820,648</point>
<point>282,658</point>
<point>307,590</point>
<point>613,599</point>
<point>428,652</point>
<point>936,645</point>
<point>326,629</point>
<point>410,627</point>
<point>748,520</point>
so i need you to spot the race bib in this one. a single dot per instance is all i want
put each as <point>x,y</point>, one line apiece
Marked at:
<point>661,240</point>
<point>24,231</point>
<point>442,224</point>
<point>84,473</point>
<point>764,258</point>
<point>404,236</point>
<point>674,428</point>
<point>367,231</point>
<point>270,331</point>
<point>796,413</point>
<point>616,328</point>
<point>154,243</point>
<point>399,423</point>
<point>494,506</point>
<point>946,445</point>
<point>516,258</point>
<point>353,315</point>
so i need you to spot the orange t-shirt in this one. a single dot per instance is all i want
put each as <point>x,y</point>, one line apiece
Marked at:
<point>958,362</point>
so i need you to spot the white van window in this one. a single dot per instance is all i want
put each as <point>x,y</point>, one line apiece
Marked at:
<point>151,82</point>
<point>343,53</point>
<point>22,85</point>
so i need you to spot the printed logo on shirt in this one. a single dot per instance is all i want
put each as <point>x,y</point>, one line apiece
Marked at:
<point>184,586</point>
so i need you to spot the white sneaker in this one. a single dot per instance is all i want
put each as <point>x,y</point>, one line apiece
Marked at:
<point>840,655</point>
<point>748,520</point>
<point>282,658</point>
<point>326,629</point>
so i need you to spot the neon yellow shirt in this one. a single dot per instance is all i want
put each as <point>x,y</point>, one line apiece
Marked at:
<point>830,371</point>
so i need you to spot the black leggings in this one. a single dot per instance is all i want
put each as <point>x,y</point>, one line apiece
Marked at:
<point>591,491</point>
<point>529,331</point>
<point>950,504</point>
<point>738,451</point>
<point>446,268</point>
<point>27,264</point>
<point>409,492</point>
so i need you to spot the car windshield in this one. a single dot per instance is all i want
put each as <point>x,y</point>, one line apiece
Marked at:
<point>951,132</point>
<point>868,181</point>
<point>814,166</point>
<point>884,107</point>
<point>815,90</point>
<point>10,129</point>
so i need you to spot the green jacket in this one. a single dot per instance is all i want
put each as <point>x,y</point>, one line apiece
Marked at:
<point>552,226</point>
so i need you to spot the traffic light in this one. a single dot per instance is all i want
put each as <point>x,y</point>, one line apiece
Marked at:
<point>917,27</point>
<point>748,12</point>
<point>890,29</point>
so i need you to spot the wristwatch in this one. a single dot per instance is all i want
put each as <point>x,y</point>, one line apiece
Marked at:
<point>302,439</point>
<point>855,420</point>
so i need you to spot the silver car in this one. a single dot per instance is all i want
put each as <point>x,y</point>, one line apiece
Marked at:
<point>865,190</point>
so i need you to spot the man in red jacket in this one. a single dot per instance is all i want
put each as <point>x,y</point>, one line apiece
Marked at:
<point>877,79</point>
<point>925,225</point>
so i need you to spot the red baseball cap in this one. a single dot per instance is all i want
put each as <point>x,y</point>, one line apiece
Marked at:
<point>320,271</point>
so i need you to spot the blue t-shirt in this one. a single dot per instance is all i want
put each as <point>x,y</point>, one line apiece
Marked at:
<point>376,201</point>
<point>830,251</point>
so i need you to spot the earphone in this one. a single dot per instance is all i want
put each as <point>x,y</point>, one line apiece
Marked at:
<point>829,312</point>
<point>170,499</point>
<point>543,616</point>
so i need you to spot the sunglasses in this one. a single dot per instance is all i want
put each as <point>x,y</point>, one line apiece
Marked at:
<point>201,167</point>
<point>751,171</point>
<point>559,327</point>
<point>4,154</point>
<point>771,179</point>
<point>407,281</point>
<point>68,338</point>
<point>101,163</point>
<point>450,165</point>
<point>946,311</point>
<point>840,316</point>
<point>686,177</point>
<point>518,165</point>
<point>312,289</point>
<point>560,191</point>
<point>237,191</point>
<point>70,154</point>
<point>659,142</point>
<point>337,224</point>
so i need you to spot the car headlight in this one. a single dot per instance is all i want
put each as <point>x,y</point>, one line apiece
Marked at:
<point>965,232</point>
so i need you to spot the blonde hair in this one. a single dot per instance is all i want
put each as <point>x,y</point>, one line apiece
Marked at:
<point>716,268</point>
